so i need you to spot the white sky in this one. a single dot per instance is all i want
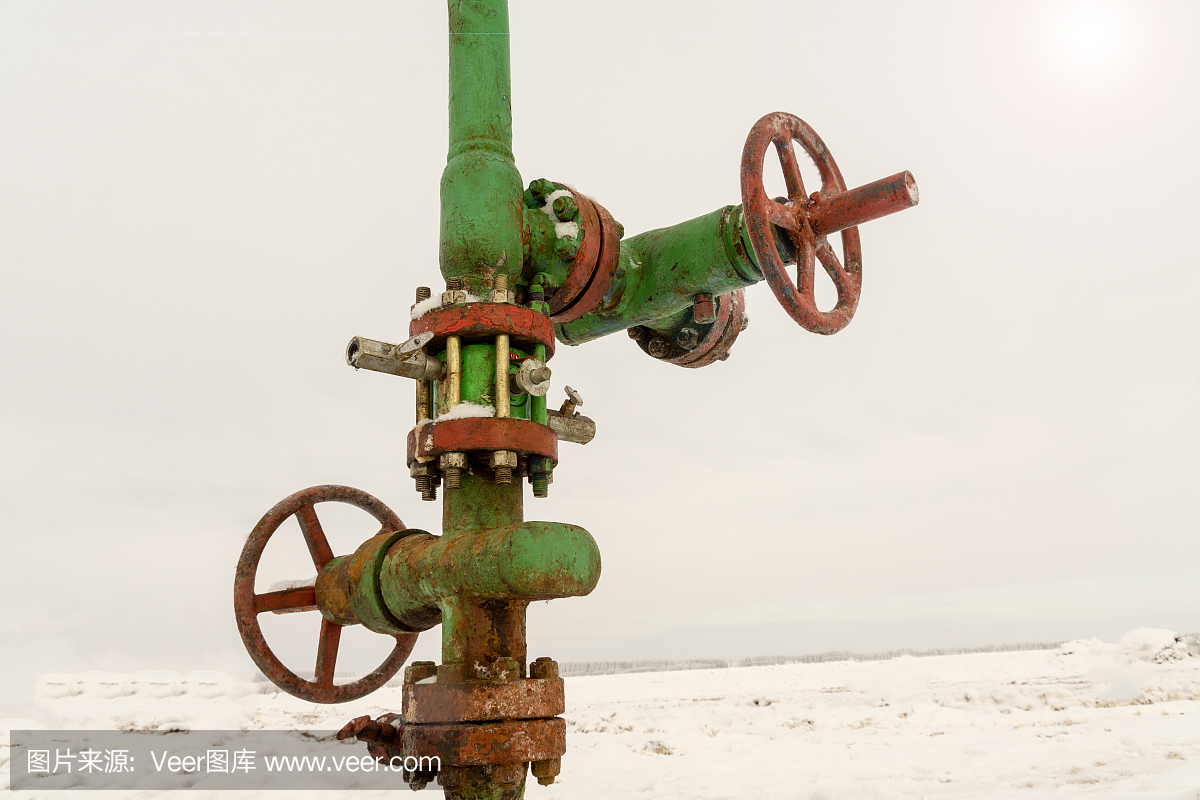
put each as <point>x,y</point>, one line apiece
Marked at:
<point>200,203</point>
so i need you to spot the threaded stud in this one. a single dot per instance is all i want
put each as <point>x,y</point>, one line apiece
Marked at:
<point>426,488</point>
<point>503,476</point>
<point>500,282</point>
<point>453,284</point>
<point>424,293</point>
<point>541,485</point>
<point>453,477</point>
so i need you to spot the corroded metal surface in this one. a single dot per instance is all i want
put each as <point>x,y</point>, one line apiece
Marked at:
<point>482,433</point>
<point>478,744</point>
<point>482,321</point>
<point>831,209</point>
<point>248,605</point>
<point>348,590</point>
<point>482,701</point>
<point>715,344</point>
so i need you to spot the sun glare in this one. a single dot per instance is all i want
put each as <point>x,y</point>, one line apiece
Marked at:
<point>1089,35</point>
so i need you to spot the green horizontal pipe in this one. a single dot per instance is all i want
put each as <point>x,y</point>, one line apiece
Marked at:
<point>524,562</point>
<point>661,272</point>
<point>482,211</point>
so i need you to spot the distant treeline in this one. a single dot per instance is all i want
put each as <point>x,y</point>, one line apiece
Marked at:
<point>670,664</point>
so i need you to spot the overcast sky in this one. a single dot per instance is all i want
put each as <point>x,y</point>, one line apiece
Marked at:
<point>200,203</point>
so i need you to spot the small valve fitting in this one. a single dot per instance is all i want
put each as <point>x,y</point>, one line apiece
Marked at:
<point>574,399</point>
<point>407,360</point>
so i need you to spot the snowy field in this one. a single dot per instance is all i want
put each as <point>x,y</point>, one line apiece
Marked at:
<point>1089,719</point>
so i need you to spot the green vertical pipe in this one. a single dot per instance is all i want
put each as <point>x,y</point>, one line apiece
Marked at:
<point>538,404</point>
<point>481,187</point>
<point>478,378</point>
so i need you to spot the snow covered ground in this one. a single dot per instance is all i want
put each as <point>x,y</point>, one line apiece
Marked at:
<point>1089,719</point>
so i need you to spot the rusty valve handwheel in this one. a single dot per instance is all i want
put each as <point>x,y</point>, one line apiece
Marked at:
<point>809,220</point>
<point>248,605</point>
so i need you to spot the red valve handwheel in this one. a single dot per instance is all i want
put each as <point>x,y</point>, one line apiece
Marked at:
<point>248,605</point>
<point>781,129</point>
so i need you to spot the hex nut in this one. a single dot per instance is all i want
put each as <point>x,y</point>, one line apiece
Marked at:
<point>543,668</point>
<point>565,208</point>
<point>567,247</point>
<point>688,338</point>
<point>504,458</point>
<point>546,771</point>
<point>458,460</point>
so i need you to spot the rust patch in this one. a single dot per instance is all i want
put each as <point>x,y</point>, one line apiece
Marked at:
<point>478,744</point>
<point>483,701</point>
<point>485,321</point>
<point>482,433</point>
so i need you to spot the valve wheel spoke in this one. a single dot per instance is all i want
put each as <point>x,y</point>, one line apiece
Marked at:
<point>785,216</point>
<point>327,650</point>
<point>287,601</point>
<point>314,536</point>
<point>248,604</point>
<point>791,169</point>
<point>833,266</point>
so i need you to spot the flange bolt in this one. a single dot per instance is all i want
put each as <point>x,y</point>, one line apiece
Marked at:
<point>546,771</point>
<point>658,347</point>
<point>566,248</point>
<point>565,208</point>
<point>424,293</point>
<point>688,338</point>
<point>704,311</point>
<point>540,188</point>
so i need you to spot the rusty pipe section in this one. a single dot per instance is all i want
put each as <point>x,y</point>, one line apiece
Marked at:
<point>864,204</point>
<point>402,583</point>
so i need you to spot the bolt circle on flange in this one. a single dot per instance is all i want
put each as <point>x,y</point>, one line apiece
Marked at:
<point>761,212</point>
<point>248,605</point>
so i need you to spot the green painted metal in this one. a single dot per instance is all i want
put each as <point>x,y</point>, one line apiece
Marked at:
<point>526,561</point>
<point>537,405</point>
<point>661,271</point>
<point>482,211</point>
<point>479,374</point>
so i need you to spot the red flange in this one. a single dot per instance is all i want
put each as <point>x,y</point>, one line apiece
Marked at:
<point>585,260</point>
<point>485,321</point>
<point>600,278</point>
<point>808,220</point>
<point>482,433</point>
<point>248,605</point>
